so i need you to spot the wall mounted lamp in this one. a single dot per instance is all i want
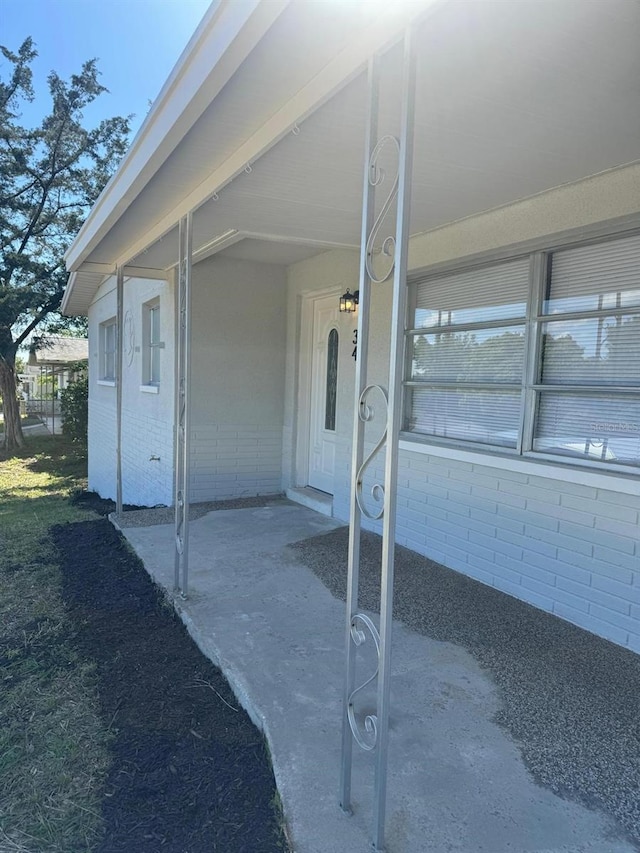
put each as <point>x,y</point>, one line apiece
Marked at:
<point>349,302</point>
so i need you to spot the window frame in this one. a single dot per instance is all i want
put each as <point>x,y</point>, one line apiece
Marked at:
<point>150,346</point>
<point>331,381</point>
<point>538,251</point>
<point>498,323</point>
<point>105,377</point>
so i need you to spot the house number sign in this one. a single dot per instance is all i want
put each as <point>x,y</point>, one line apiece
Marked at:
<point>354,354</point>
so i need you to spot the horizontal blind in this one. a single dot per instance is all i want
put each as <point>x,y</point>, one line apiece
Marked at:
<point>484,416</point>
<point>594,351</point>
<point>595,426</point>
<point>602,275</point>
<point>496,292</point>
<point>494,356</point>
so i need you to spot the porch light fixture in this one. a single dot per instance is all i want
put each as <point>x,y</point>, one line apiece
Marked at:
<point>349,302</point>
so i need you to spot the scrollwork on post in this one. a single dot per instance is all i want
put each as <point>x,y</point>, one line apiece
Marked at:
<point>365,736</point>
<point>129,339</point>
<point>366,413</point>
<point>387,246</point>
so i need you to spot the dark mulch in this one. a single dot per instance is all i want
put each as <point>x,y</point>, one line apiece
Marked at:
<point>102,506</point>
<point>190,772</point>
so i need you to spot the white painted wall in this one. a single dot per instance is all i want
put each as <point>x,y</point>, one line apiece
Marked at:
<point>598,199</point>
<point>563,540</point>
<point>147,422</point>
<point>239,317</point>
<point>237,391</point>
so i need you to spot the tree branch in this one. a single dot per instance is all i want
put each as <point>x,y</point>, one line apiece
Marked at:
<point>51,305</point>
<point>46,185</point>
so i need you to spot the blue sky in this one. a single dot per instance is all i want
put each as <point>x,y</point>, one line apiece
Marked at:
<point>136,42</point>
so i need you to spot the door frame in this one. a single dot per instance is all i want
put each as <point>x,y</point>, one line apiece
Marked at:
<point>302,421</point>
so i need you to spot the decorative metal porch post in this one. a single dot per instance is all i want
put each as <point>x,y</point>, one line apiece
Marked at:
<point>119,383</point>
<point>357,450</point>
<point>373,733</point>
<point>182,406</point>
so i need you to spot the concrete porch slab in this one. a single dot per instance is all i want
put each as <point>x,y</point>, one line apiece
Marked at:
<point>457,783</point>
<point>312,498</point>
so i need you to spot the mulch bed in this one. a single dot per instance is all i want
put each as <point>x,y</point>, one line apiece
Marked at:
<point>190,771</point>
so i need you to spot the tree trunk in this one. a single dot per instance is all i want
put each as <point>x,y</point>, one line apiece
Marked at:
<point>13,437</point>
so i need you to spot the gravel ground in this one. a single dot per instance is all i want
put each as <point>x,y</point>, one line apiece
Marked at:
<point>569,699</point>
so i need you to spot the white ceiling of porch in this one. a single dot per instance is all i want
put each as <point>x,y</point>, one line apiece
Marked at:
<point>269,252</point>
<point>512,99</point>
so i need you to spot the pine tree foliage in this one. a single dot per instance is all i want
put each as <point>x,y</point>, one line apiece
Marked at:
<point>50,176</point>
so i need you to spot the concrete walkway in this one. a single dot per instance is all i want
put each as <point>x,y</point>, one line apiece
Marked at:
<point>36,429</point>
<point>457,783</point>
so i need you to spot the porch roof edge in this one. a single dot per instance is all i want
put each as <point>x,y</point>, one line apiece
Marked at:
<point>229,29</point>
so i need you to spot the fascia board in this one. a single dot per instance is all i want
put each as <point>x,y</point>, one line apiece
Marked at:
<point>227,34</point>
<point>130,271</point>
<point>74,303</point>
<point>64,305</point>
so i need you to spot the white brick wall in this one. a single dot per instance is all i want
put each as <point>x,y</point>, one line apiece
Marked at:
<point>102,444</point>
<point>235,460</point>
<point>237,379</point>
<point>145,481</point>
<point>147,459</point>
<point>147,422</point>
<point>567,548</point>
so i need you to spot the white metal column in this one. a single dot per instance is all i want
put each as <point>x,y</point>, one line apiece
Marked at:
<point>372,734</point>
<point>182,406</point>
<point>349,725</point>
<point>119,383</point>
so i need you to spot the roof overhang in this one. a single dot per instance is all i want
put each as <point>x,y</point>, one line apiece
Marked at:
<point>513,100</point>
<point>229,32</point>
<point>226,35</point>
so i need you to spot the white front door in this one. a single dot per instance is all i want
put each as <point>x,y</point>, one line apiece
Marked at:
<point>324,389</point>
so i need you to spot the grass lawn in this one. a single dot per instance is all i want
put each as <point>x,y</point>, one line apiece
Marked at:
<point>53,745</point>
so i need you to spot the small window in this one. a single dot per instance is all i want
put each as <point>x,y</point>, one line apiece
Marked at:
<point>332,381</point>
<point>108,346</point>
<point>151,344</point>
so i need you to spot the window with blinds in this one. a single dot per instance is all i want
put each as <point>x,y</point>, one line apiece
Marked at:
<point>588,389</point>
<point>467,354</point>
<point>108,335</point>
<point>559,376</point>
<point>151,343</point>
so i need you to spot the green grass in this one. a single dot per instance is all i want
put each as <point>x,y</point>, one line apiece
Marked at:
<point>53,744</point>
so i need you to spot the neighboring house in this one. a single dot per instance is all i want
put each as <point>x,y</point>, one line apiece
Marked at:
<point>54,362</point>
<point>520,434</point>
<point>55,359</point>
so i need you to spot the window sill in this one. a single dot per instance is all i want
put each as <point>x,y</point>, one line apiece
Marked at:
<point>613,481</point>
<point>109,383</point>
<point>150,389</point>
